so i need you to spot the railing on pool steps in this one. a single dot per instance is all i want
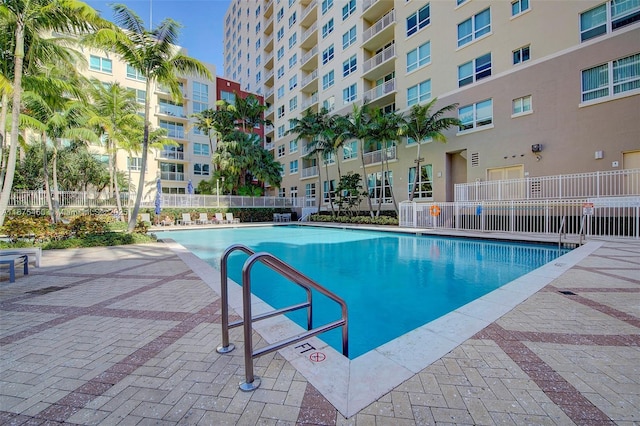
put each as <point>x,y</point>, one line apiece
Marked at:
<point>252,382</point>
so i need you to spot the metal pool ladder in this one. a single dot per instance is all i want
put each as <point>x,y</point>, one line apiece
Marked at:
<point>252,382</point>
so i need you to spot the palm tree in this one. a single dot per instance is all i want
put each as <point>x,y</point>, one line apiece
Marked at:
<point>421,125</point>
<point>249,112</point>
<point>385,129</point>
<point>113,111</point>
<point>356,126</point>
<point>152,53</point>
<point>27,21</point>
<point>205,121</point>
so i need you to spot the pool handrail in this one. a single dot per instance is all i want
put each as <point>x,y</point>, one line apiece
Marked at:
<point>252,382</point>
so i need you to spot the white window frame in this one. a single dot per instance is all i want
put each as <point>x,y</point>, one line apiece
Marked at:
<point>518,7</point>
<point>476,122</point>
<point>100,67</point>
<point>327,28</point>
<point>350,94</point>
<point>476,33</point>
<point>350,65</point>
<point>348,9</point>
<point>293,167</point>
<point>422,59</point>
<point>350,150</point>
<point>420,22</point>
<point>606,22</point>
<point>520,52</point>
<point>423,86</point>
<point>478,71</point>
<point>521,106</point>
<point>609,87</point>
<point>349,38</point>
<point>328,54</point>
<point>328,80</point>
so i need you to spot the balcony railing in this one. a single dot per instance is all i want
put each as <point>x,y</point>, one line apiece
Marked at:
<point>171,110</point>
<point>309,172</point>
<point>381,24</point>
<point>172,176</point>
<point>309,55</point>
<point>376,156</point>
<point>171,155</point>
<point>310,101</point>
<point>308,9</point>
<point>309,31</point>
<point>382,57</point>
<point>615,183</point>
<point>381,90</point>
<point>309,78</point>
<point>366,4</point>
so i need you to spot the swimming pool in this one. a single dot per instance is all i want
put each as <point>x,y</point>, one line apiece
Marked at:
<point>392,282</point>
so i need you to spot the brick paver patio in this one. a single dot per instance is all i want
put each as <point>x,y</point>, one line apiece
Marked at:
<point>127,335</point>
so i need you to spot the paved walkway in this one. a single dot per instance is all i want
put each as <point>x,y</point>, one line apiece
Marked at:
<point>127,335</point>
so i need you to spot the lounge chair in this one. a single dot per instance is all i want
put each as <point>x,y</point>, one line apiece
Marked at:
<point>203,219</point>
<point>145,217</point>
<point>167,221</point>
<point>231,219</point>
<point>186,219</point>
<point>220,218</point>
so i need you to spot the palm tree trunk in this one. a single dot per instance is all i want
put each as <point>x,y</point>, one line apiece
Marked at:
<point>15,116</point>
<point>415,180</point>
<point>326,168</point>
<point>319,191</point>
<point>4,109</point>
<point>56,202</point>
<point>45,172</point>
<point>366,180</point>
<point>143,164</point>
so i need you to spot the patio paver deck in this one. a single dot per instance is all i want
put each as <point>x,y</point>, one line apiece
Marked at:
<point>127,335</point>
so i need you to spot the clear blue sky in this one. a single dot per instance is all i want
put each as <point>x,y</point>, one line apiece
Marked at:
<point>202,32</point>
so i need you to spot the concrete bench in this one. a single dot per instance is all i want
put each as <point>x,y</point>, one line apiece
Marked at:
<point>12,260</point>
<point>34,253</point>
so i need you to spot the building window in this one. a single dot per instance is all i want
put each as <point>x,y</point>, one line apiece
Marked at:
<point>424,186</point>
<point>281,151</point>
<point>280,92</point>
<point>327,28</point>
<point>293,40</point>
<point>293,60</point>
<point>174,130</point>
<point>419,93</point>
<point>281,111</point>
<point>280,34</point>
<point>293,146</point>
<point>201,169</point>
<point>140,95</point>
<point>349,66</point>
<point>474,70</point>
<point>293,103</point>
<point>293,167</point>
<point>280,52</point>
<point>521,105</point>
<point>310,191</point>
<point>519,6</point>
<point>348,9</point>
<point>418,20</point>
<point>474,27</point>
<point>350,150</point>
<point>476,115</point>
<point>612,78</point>
<point>229,97</point>
<point>293,82</point>
<point>350,93</point>
<point>326,5</point>
<point>280,71</point>
<point>327,80</point>
<point>281,131</point>
<point>134,164</point>
<point>328,190</point>
<point>280,14</point>
<point>98,63</point>
<point>292,19</point>
<point>201,149</point>
<point>380,187</point>
<point>521,55</point>
<point>419,57</point>
<point>258,77</point>
<point>294,192</point>
<point>133,73</point>
<point>327,54</point>
<point>349,37</point>
<point>608,17</point>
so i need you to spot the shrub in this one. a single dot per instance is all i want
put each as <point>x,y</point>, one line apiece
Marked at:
<point>25,228</point>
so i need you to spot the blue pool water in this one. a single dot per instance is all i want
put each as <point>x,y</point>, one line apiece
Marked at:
<point>392,282</point>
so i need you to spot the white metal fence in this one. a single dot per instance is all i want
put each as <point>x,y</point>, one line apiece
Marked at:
<point>580,185</point>
<point>611,216</point>
<point>72,199</point>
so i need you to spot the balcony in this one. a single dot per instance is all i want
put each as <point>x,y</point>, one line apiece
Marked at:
<point>374,157</point>
<point>373,9</point>
<point>171,155</point>
<point>309,102</point>
<point>307,18</point>
<point>172,111</point>
<point>379,32</point>
<point>268,94</point>
<point>269,112</point>
<point>268,9</point>
<point>306,83</point>
<point>268,61</point>
<point>309,172</point>
<point>269,146</point>
<point>309,37</point>
<point>172,176</point>
<point>268,43</point>
<point>381,64</point>
<point>309,60</point>
<point>387,88</point>
<point>268,78</point>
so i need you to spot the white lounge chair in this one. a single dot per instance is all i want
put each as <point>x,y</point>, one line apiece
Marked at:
<point>167,221</point>
<point>203,219</point>
<point>186,219</point>
<point>220,218</point>
<point>145,217</point>
<point>231,219</point>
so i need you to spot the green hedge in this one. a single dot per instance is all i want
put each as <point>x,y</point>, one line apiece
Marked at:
<point>364,220</point>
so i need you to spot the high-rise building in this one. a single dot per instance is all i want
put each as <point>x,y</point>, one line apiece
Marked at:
<point>542,87</point>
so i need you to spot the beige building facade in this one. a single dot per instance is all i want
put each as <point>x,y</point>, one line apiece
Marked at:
<point>542,87</point>
<point>190,159</point>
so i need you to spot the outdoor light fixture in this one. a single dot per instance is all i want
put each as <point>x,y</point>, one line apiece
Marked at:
<point>537,147</point>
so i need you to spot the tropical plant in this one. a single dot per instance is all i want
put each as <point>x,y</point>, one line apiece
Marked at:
<point>27,21</point>
<point>155,55</point>
<point>421,125</point>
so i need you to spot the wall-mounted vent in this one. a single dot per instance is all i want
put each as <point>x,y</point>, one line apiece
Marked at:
<point>475,159</point>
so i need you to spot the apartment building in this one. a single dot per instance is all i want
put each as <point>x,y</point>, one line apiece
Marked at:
<point>542,87</point>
